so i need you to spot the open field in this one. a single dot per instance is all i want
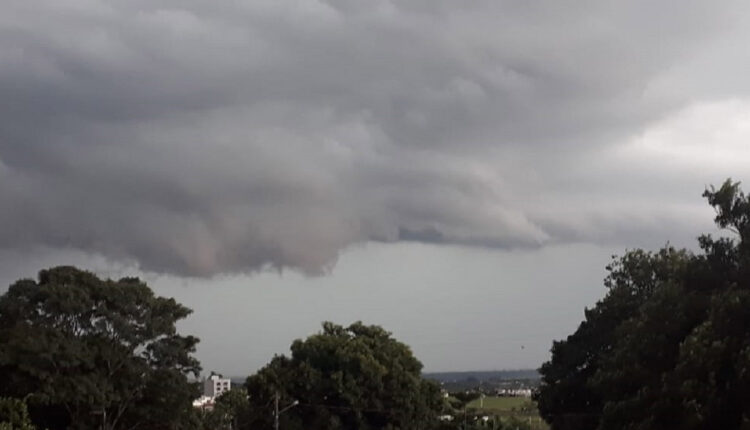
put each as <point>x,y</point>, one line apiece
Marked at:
<point>506,404</point>
<point>522,408</point>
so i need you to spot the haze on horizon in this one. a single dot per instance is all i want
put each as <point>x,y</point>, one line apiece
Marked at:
<point>459,173</point>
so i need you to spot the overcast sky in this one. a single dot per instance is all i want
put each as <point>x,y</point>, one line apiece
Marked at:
<point>458,172</point>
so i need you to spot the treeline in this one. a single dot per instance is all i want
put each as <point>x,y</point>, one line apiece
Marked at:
<point>81,352</point>
<point>484,376</point>
<point>668,347</point>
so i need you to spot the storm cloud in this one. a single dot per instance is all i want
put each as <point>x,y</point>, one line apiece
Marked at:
<point>197,138</point>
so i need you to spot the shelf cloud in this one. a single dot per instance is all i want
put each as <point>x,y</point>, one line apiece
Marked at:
<point>200,138</point>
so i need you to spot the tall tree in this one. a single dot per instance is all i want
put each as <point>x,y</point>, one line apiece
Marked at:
<point>567,398</point>
<point>95,353</point>
<point>355,377</point>
<point>676,355</point>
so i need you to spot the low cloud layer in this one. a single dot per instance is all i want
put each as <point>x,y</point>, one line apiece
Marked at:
<point>197,138</point>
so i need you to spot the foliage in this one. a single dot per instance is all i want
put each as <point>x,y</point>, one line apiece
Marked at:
<point>504,403</point>
<point>95,353</point>
<point>357,377</point>
<point>465,397</point>
<point>229,412</point>
<point>512,423</point>
<point>669,345</point>
<point>566,399</point>
<point>14,414</point>
<point>481,421</point>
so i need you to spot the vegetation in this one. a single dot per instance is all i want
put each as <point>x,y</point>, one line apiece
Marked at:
<point>95,353</point>
<point>230,411</point>
<point>669,345</point>
<point>14,414</point>
<point>89,353</point>
<point>519,411</point>
<point>355,377</point>
<point>503,404</point>
<point>486,381</point>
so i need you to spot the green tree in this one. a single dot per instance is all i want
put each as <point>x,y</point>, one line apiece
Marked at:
<point>512,423</point>
<point>95,353</point>
<point>690,334</point>
<point>677,355</point>
<point>229,412</point>
<point>465,397</point>
<point>567,400</point>
<point>712,373</point>
<point>14,414</point>
<point>355,377</point>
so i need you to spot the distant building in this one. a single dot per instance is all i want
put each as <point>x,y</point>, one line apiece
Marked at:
<point>204,402</point>
<point>514,392</point>
<point>215,386</point>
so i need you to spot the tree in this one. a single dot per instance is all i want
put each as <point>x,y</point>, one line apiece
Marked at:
<point>662,353</point>
<point>14,414</point>
<point>357,377</point>
<point>567,398</point>
<point>95,353</point>
<point>677,354</point>
<point>230,409</point>
<point>712,371</point>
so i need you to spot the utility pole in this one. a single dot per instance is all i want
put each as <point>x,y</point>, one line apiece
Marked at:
<point>276,411</point>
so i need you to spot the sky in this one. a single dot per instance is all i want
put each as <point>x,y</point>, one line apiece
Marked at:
<point>457,172</point>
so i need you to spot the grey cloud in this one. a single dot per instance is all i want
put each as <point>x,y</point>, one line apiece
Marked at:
<point>196,138</point>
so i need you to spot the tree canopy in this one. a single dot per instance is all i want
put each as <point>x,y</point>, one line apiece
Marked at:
<point>14,414</point>
<point>230,411</point>
<point>669,345</point>
<point>355,377</point>
<point>93,353</point>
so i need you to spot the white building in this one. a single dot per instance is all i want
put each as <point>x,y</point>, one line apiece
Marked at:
<point>514,392</point>
<point>216,385</point>
<point>204,402</point>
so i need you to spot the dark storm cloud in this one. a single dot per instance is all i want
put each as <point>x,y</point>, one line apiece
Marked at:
<point>203,137</point>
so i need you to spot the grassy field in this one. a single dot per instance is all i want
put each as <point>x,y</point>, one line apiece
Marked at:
<point>504,404</point>
<point>520,407</point>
